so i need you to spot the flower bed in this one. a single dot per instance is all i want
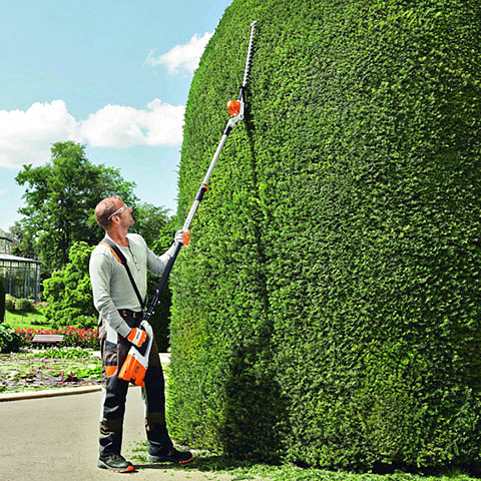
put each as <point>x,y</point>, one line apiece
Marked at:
<point>73,336</point>
<point>49,368</point>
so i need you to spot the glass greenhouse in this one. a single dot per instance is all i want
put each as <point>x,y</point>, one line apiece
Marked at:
<point>21,275</point>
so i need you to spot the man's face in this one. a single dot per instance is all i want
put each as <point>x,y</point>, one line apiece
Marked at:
<point>123,215</point>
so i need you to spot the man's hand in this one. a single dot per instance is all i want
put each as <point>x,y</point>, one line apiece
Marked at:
<point>137,336</point>
<point>182,237</point>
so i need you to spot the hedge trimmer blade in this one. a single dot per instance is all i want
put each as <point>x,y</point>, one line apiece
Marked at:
<point>250,49</point>
<point>235,108</point>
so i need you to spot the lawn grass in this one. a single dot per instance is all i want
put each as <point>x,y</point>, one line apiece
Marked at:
<point>32,320</point>
<point>246,470</point>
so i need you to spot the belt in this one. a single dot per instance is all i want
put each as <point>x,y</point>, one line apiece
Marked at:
<point>127,314</point>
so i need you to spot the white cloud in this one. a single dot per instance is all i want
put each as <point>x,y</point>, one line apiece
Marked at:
<point>26,136</point>
<point>183,57</point>
<point>121,126</point>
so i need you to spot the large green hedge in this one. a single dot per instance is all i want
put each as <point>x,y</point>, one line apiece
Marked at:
<point>328,310</point>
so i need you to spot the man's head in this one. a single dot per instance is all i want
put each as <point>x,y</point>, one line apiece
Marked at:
<point>111,212</point>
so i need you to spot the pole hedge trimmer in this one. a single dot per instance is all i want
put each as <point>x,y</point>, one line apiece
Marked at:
<point>136,364</point>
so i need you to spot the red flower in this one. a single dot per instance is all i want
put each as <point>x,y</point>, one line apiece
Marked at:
<point>73,336</point>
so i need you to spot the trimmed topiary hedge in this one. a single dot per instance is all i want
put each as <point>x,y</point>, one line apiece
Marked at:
<point>328,310</point>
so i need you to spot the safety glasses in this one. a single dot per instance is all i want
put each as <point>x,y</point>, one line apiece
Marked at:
<point>119,211</point>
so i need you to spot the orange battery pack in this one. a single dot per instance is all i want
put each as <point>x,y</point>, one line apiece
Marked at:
<point>136,364</point>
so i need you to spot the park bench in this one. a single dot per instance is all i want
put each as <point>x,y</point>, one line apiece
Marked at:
<point>50,339</point>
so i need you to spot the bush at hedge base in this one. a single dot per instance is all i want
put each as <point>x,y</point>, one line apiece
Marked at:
<point>327,310</point>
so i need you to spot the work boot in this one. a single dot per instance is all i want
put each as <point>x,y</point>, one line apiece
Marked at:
<point>115,462</point>
<point>171,455</point>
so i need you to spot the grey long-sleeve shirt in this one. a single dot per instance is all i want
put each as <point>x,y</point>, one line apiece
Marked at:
<point>111,286</point>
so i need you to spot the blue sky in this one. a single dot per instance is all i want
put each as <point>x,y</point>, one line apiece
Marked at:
<point>113,75</point>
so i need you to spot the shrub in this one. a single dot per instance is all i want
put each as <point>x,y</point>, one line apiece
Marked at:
<point>76,337</point>
<point>2,300</point>
<point>10,302</point>
<point>10,341</point>
<point>39,322</point>
<point>86,322</point>
<point>23,305</point>
<point>328,308</point>
<point>67,353</point>
<point>68,292</point>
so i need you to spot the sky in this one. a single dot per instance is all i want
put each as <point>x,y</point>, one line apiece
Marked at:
<point>113,75</point>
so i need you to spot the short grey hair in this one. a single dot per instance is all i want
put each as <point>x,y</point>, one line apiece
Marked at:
<point>104,209</point>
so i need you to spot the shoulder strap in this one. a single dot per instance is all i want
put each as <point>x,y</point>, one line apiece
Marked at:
<point>120,256</point>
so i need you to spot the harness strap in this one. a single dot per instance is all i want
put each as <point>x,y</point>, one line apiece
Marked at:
<point>118,254</point>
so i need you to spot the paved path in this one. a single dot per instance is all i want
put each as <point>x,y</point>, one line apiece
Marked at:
<point>38,443</point>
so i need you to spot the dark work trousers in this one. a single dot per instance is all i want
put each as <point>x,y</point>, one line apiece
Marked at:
<point>113,409</point>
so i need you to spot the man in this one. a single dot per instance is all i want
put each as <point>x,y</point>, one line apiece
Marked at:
<point>121,313</point>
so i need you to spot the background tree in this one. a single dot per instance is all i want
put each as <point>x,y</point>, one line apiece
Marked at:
<point>59,201</point>
<point>150,221</point>
<point>68,291</point>
<point>59,228</point>
<point>2,300</point>
<point>22,233</point>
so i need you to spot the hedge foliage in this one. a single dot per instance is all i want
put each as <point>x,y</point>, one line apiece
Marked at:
<point>328,310</point>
